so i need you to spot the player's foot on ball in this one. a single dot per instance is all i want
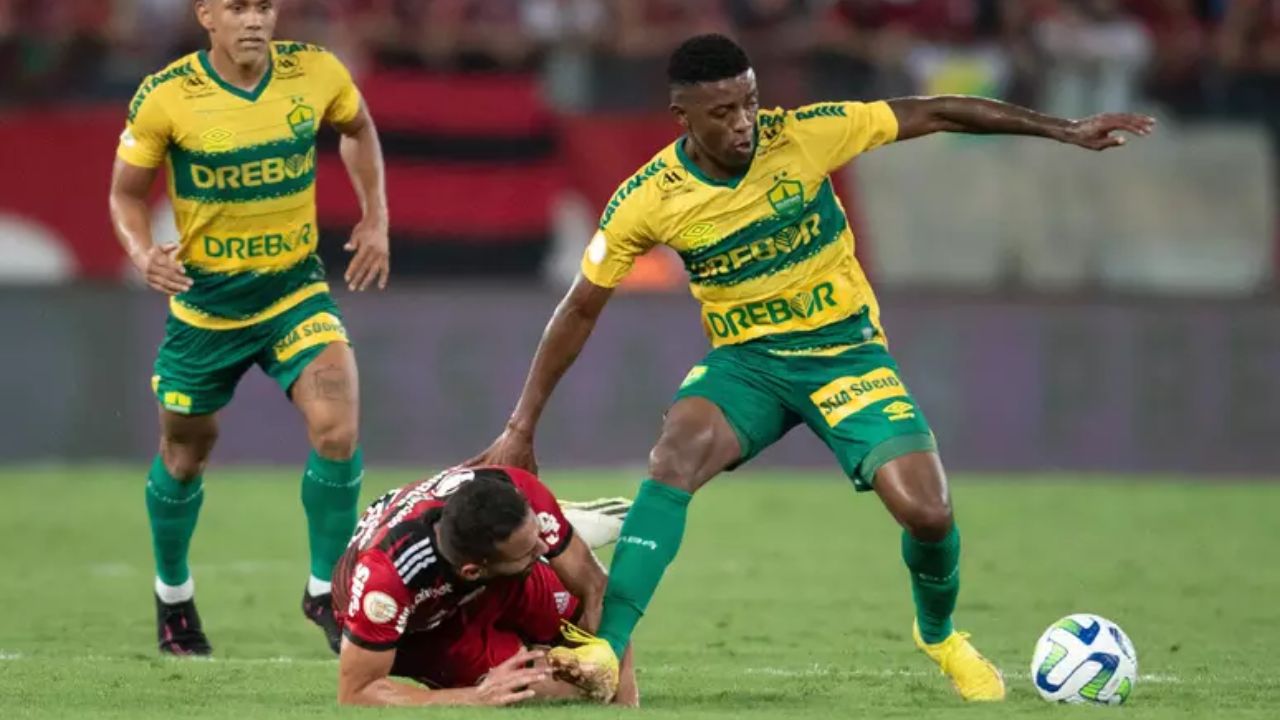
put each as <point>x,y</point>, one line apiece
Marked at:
<point>589,665</point>
<point>178,629</point>
<point>972,675</point>
<point>319,610</point>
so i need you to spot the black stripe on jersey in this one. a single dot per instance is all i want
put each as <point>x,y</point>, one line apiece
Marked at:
<point>398,145</point>
<point>429,254</point>
<point>375,647</point>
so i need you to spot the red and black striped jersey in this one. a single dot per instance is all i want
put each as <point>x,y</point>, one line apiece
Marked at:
<point>391,580</point>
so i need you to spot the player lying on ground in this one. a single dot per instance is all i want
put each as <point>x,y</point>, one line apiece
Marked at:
<point>456,581</point>
<point>236,126</point>
<point>745,198</point>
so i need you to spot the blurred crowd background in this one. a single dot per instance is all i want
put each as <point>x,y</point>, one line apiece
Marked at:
<point>1191,58</point>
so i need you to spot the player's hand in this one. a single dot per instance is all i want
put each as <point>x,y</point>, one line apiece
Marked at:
<point>372,259</point>
<point>163,271</point>
<point>513,448</point>
<point>1100,132</point>
<point>509,682</point>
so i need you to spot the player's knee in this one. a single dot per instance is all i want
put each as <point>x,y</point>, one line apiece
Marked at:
<point>335,440</point>
<point>676,464</point>
<point>184,462</point>
<point>928,521</point>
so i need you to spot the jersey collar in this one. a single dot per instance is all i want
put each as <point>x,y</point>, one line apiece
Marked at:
<point>696,171</point>
<point>250,95</point>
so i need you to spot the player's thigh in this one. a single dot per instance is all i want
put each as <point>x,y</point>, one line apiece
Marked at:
<point>726,412</point>
<point>197,370</point>
<point>857,403</point>
<point>309,356</point>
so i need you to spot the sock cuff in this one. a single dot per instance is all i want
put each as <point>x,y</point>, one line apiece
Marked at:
<point>670,494</point>
<point>166,488</point>
<point>336,473</point>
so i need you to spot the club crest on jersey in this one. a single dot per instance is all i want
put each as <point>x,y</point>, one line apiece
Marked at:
<point>302,120</point>
<point>786,197</point>
<point>672,179</point>
<point>196,85</point>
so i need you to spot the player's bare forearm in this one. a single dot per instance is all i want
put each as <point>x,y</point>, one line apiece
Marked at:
<point>361,153</point>
<point>584,576</point>
<point>363,679</point>
<point>566,334</point>
<point>918,116</point>
<point>130,216</point>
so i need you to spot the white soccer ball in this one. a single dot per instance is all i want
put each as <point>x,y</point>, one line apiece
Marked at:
<point>1084,658</point>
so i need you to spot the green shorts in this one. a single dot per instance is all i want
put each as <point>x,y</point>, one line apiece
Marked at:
<point>197,370</point>
<point>849,395</point>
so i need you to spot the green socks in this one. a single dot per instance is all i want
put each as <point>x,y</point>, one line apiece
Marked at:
<point>330,493</point>
<point>935,582</point>
<point>648,543</point>
<point>173,508</point>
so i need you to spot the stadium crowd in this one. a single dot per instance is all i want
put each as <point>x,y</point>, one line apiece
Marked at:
<point>1192,58</point>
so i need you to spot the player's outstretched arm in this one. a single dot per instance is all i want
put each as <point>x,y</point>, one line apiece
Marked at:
<point>361,153</point>
<point>567,332</point>
<point>131,220</point>
<point>584,576</point>
<point>919,116</point>
<point>364,679</point>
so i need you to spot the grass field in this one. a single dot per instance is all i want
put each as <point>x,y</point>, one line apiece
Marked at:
<point>788,599</point>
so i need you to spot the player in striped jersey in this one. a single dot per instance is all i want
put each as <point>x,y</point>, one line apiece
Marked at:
<point>746,199</point>
<point>235,127</point>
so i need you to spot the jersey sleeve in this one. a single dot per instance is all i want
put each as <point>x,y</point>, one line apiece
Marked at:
<point>345,104</point>
<point>379,603</point>
<point>552,525</point>
<point>834,133</point>
<point>147,130</point>
<point>622,236</point>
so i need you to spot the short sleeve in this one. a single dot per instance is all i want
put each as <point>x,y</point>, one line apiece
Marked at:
<point>834,133</point>
<point>621,237</point>
<point>147,130</point>
<point>379,604</point>
<point>552,525</point>
<point>345,104</point>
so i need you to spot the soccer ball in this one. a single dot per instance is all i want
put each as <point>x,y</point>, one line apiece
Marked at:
<point>1084,658</point>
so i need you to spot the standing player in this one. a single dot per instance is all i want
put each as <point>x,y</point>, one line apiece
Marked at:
<point>744,197</point>
<point>235,126</point>
<point>450,580</point>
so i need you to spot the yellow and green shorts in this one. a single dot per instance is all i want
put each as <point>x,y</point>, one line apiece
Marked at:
<point>197,370</point>
<point>844,387</point>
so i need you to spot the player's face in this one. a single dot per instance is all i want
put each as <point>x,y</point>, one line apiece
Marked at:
<point>721,118</point>
<point>514,557</point>
<point>241,28</point>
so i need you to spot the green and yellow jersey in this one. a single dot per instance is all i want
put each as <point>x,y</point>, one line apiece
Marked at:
<point>770,253</point>
<point>241,175</point>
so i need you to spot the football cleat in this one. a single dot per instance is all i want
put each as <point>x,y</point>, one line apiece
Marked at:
<point>972,675</point>
<point>589,665</point>
<point>178,629</point>
<point>597,522</point>
<point>319,610</point>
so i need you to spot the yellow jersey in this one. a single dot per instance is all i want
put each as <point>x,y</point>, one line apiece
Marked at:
<point>241,175</point>
<point>769,253</point>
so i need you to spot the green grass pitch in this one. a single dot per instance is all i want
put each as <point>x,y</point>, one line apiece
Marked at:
<point>788,598</point>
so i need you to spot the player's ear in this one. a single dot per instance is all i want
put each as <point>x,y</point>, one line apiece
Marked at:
<point>681,116</point>
<point>470,572</point>
<point>204,13</point>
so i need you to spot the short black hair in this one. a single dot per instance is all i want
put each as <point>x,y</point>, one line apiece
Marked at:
<point>706,58</point>
<point>480,514</point>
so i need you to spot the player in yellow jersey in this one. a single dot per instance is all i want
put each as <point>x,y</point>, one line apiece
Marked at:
<point>235,127</point>
<point>744,197</point>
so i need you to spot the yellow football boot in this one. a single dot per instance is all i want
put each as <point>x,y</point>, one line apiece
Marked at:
<point>972,675</point>
<point>590,664</point>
